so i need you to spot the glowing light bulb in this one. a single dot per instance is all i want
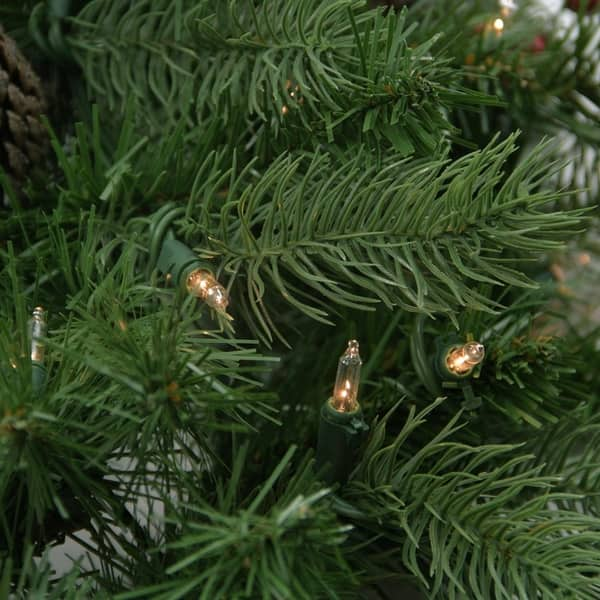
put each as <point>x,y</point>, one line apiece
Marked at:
<point>293,89</point>
<point>295,95</point>
<point>345,391</point>
<point>462,359</point>
<point>38,328</point>
<point>202,283</point>
<point>584,259</point>
<point>498,25</point>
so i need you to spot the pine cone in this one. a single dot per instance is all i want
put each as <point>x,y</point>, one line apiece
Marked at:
<point>23,138</point>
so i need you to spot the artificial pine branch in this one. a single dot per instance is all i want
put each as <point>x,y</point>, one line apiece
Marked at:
<point>351,66</point>
<point>531,377</point>
<point>542,67</point>
<point>446,502</point>
<point>408,235</point>
<point>35,580</point>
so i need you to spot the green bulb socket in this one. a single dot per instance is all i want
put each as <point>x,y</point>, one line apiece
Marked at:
<point>39,375</point>
<point>178,260</point>
<point>340,435</point>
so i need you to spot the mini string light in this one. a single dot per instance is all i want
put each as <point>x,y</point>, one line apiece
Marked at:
<point>202,284</point>
<point>462,359</point>
<point>293,90</point>
<point>584,259</point>
<point>345,391</point>
<point>507,9</point>
<point>342,426</point>
<point>182,267</point>
<point>38,328</point>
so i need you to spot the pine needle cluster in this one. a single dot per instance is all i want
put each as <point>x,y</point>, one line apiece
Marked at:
<point>346,172</point>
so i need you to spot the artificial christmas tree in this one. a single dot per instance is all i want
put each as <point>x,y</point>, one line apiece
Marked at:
<point>242,188</point>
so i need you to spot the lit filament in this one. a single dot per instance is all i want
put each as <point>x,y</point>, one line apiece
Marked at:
<point>498,25</point>
<point>345,391</point>
<point>293,90</point>
<point>462,359</point>
<point>38,327</point>
<point>202,283</point>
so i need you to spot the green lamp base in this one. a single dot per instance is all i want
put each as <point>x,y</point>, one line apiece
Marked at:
<point>39,376</point>
<point>340,435</point>
<point>177,260</point>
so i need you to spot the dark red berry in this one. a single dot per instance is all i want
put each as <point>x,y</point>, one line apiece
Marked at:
<point>539,43</point>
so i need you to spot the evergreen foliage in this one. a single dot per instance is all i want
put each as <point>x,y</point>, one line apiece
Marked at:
<point>193,62</point>
<point>345,171</point>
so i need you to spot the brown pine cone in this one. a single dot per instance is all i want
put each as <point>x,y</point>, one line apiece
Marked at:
<point>23,138</point>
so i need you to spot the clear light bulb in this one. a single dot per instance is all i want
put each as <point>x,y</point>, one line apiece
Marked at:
<point>37,330</point>
<point>345,391</point>
<point>462,359</point>
<point>202,283</point>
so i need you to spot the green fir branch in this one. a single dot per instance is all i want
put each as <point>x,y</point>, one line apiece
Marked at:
<point>530,375</point>
<point>420,236</point>
<point>315,65</point>
<point>282,541</point>
<point>459,506</point>
<point>34,579</point>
